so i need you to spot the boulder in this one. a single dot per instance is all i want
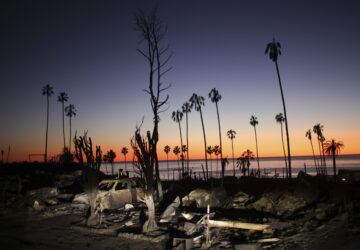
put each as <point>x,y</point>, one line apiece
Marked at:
<point>44,193</point>
<point>240,200</point>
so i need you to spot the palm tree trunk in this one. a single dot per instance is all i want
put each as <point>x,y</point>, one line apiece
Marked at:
<point>257,152</point>
<point>206,163</point>
<point>286,120</point>
<point>125,163</point>
<point>47,128</point>
<point>282,140</point>
<point>334,165</point>
<point>63,115</point>
<point>323,153</point>
<point>217,111</point>
<point>232,146</point>
<point>321,158</point>
<point>187,142</point>
<point>312,148</point>
<point>167,165</point>
<point>70,135</point>
<point>182,152</point>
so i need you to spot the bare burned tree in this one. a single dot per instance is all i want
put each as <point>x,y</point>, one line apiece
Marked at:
<point>90,173</point>
<point>145,152</point>
<point>152,32</point>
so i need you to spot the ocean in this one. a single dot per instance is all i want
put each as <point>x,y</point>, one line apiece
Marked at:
<point>269,166</point>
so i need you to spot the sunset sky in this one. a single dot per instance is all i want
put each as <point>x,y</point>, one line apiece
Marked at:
<point>88,50</point>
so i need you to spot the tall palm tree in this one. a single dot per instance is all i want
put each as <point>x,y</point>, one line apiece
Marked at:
<point>309,136</point>
<point>274,51</point>
<point>186,108</point>
<point>70,112</point>
<point>333,148</point>
<point>48,91</point>
<point>196,103</point>
<point>109,157</point>
<point>210,151</point>
<point>176,151</point>
<point>231,134</point>
<point>215,97</point>
<point>254,122</point>
<point>217,152</point>
<point>318,130</point>
<point>63,97</point>
<point>177,117</point>
<point>280,119</point>
<point>124,151</point>
<point>167,150</point>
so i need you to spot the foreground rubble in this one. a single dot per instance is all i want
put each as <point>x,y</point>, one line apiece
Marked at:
<point>310,213</point>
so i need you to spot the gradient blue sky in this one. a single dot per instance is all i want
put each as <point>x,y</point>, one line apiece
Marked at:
<point>88,50</point>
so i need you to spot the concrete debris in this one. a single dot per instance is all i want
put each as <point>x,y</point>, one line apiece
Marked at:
<point>170,211</point>
<point>203,197</point>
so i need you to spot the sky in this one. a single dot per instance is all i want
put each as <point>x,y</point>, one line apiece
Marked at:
<point>88,50</point>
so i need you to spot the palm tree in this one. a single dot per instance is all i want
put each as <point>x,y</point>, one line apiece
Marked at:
<point>177,117</point>
<point>210,151</point>
<point>70,112</point>
<point>124,151</point>
<point>167,150</point>
<point>176,151</point>
<point>309,136</point>
<point>280,119</point>
<point>217,152</point>
<point>333,148</point>
<point>186,108</point>
<point>254,122</point>
<point>109,157</point>
<point>274,51</point>
<point>63,97</point>
<point>318,130</point>
<point>48,91</point>
<point>215,97</point>
<point>244,161</point>
<point>231,134</point>
<point>196,103</point>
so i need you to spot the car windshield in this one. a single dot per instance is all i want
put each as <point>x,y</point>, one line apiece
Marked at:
<point>106,186</point>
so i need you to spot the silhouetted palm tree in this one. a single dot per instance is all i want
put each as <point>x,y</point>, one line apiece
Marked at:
<point>124,151</point>
<point>333,148</point>
<point>63,97</point>
<point>280,119</point>
<point>243,162</point>
<point>109,157</point>
<point>254,122</point>
<point>274,51</point>
<point>70,112</point>
<point>215,97</point>
<point>309,136</point>
<point>231,134</point>
<point>318,130</point>
<point>210,151</point>
<point>196,103</point>
<point>177,117</point>
<point>48,91</point>
<point>167,150</point>
<point>217,152</point>
<point>176,151</point>
<point>186,108</point>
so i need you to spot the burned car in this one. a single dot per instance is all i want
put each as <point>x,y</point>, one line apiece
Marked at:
<point>112,194</point>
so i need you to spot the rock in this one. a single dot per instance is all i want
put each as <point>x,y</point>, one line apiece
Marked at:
<point>128,206</point>
<point>81,199</point>
<point>203,197</point>
<point>51,202</point>
<point>65,197</point>
<point>37,205</point>
<point>240,200</point>
<point>44,193</point>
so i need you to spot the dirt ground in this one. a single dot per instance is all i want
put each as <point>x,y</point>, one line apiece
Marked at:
<point>24,230</point>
